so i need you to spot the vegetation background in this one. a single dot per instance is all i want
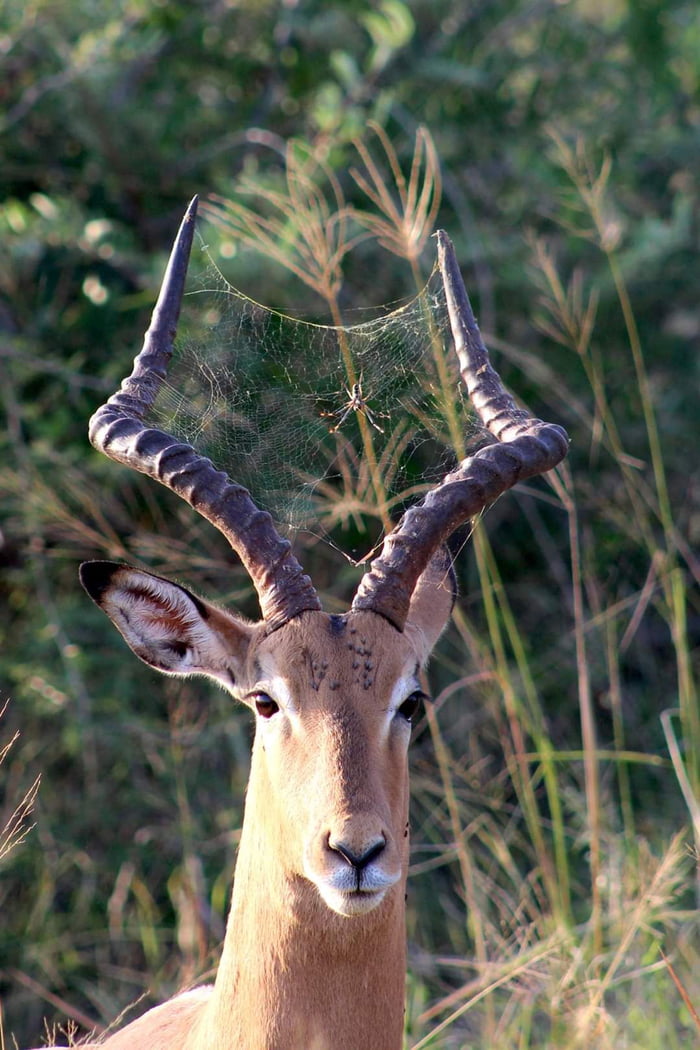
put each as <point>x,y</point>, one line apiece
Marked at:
<point>556,813</point>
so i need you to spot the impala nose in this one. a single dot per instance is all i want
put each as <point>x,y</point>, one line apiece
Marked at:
<point>358,861</point>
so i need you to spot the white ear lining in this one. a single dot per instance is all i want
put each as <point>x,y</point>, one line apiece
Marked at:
<point>171,629</point>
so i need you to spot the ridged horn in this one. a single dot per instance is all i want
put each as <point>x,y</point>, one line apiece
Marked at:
<point>117,429</point>
<point>524,447</point>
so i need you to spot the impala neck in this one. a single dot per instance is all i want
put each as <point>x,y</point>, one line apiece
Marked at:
<point>293,974</point>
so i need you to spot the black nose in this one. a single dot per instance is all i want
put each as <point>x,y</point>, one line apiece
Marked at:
<point>358,861</point>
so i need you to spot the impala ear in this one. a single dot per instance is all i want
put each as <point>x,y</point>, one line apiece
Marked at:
<point>432,601</point>
<point>165,625</point>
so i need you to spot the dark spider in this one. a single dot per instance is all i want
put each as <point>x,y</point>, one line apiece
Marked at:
<point>355,403</point>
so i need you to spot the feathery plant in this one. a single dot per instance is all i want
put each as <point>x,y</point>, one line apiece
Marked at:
<point>403,220</point>
<point>405,211</point>
<point>309,228</point>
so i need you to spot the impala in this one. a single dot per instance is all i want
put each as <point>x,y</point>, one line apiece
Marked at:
<point>314,952</point>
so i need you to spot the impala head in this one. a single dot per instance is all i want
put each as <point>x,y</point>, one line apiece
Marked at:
<point>333,698</point>
<point>334,695</point>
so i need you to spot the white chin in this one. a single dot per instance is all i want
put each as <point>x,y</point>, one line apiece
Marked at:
<point>351,903</point>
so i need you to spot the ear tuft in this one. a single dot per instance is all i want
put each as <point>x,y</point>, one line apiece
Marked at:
<point>97,576</point>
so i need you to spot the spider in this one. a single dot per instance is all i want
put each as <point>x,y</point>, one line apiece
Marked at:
<point>355,403</point>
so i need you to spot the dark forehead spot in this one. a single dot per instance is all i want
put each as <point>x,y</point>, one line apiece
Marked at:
<point>337,624</point>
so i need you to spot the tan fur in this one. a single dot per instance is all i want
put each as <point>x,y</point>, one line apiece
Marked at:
<point>309,962</point>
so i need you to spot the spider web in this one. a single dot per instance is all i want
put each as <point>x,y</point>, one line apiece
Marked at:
<point>269,399</point>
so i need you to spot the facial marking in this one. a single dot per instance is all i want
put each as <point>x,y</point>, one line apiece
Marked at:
<point>319,669</point>
<point>362,662</point>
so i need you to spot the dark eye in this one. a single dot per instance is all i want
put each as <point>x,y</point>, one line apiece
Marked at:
<point>409,708</point>
<point>265,705</point>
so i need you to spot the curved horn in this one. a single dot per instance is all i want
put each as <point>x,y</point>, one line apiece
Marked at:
<point>524,447</point>
<point>117,429</point>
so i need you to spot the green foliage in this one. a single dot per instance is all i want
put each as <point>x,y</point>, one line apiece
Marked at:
<point>554,784</point>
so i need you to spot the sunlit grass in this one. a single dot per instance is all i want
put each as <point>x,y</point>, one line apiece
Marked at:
<point>576,957</point>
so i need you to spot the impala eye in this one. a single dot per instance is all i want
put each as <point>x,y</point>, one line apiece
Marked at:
<point>265,705</point>
<point>409,708</point>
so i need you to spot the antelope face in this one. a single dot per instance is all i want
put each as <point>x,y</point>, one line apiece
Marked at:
<point>333,698</point>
